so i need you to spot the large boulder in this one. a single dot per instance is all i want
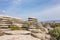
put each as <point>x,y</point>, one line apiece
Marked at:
<point>1,33</point>
<point>41,36</point>
<point>18,32</point>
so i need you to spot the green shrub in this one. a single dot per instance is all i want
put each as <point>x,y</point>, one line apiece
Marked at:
<point>27,25</point>
<point>55,33</point>
<point>15,27</point>
<point>42,29</point>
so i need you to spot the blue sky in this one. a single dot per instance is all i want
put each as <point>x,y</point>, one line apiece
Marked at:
<point>41,9</point>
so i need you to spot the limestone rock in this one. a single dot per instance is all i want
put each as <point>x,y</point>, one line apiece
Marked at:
<point>41,36</point>
<point>1,33</point>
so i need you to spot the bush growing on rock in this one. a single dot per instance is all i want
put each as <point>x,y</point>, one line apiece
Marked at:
<point>15,27</point>
<point>55,33</point>
<point>26,25</point>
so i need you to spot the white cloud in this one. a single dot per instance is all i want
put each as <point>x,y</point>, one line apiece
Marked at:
<point>16,1</point>
<point>3,11</point>
<point>51,13</point>
<point>13,6</point>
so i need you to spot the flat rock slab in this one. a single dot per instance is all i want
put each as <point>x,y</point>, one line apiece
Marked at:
<point>41,36</point>
<point>18,32</point>
<point>18,37</point>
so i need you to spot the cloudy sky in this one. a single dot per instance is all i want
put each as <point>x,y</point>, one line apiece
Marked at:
<point>41,9</point>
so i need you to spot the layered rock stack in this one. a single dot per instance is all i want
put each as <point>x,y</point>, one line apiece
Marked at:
<point>40,34</point>
<point>7,21</point>
<point>1,33</point>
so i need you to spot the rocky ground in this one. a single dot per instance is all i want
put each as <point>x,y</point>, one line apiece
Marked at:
<point>18,37</point>
<point>24,35</point>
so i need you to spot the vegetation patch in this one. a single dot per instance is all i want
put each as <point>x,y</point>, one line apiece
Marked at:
<point>55,33</point>
<point>15,27</point>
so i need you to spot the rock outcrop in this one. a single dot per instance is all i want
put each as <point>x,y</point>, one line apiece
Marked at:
<point>1,33</point>
<point>40,34</point>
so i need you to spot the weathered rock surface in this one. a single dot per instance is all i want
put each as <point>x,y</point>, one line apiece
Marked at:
<point>41,34</point>
<point>1,33</point>
<point>21,35</point>
<point>18,32</point>
<point>18,37</point>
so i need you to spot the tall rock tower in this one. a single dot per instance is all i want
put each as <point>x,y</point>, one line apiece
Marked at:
<point>34,22</point>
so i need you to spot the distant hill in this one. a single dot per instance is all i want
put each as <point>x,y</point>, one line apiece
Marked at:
<point>50,21</point>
